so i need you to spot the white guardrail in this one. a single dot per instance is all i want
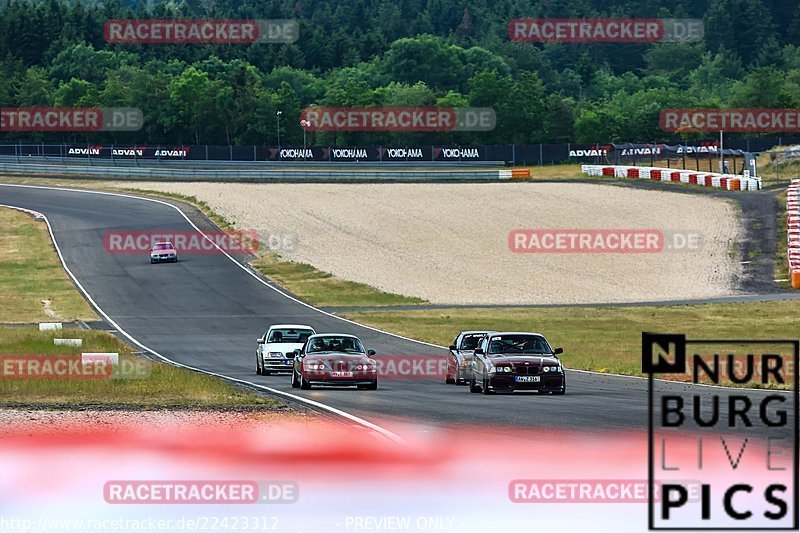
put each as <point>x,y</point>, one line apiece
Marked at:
<point>731,182</point>
<point>187,174</point>
<point>793,226</point>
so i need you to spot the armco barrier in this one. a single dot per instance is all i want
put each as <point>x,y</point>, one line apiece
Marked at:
<point>321,174</point>
<point>725,181</point>
<point>793,232</point>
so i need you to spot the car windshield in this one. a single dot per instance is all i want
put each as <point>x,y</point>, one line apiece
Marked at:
<point>471,341</point>
<point>335,343</point>
<point>519,344</point>
<point>289,335</point>
<point>162,246</point>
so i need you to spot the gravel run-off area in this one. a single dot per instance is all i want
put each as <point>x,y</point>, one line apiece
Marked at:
<point>449,243</point>
<point>43,422</point>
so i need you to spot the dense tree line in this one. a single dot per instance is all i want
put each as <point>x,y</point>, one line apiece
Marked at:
<point>396,53</point>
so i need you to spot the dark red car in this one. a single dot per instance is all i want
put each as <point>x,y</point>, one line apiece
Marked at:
<point>334,359</point>
<point>512,361</point>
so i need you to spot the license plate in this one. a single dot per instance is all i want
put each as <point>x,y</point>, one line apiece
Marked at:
<point>528,379</point>
<point>341,374</point>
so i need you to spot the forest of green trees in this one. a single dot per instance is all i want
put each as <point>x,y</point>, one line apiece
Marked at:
<point>395,53</point>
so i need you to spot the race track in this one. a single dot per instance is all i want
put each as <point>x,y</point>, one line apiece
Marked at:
<point>207,311</point>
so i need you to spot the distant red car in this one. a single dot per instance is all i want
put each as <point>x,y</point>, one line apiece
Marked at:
<point>163,252</point>
<point>334,359</point>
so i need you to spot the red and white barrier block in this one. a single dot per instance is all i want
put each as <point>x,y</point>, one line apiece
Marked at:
<point>793,227</point>
<point>731,182</point>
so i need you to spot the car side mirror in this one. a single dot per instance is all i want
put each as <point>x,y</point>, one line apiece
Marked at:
<point>558,351</point>
<point>370,353</point>
<point>260,340</point>
<point>298,353</point>
<point>453,347</point>
<point>478,351</point>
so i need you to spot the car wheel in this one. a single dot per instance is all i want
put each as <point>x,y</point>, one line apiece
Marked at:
<point>473,386</point>
<point>304,384</point>
<point>485,388</point>
<point>563,390</point>
<point>295,381</point>
<point>448,380</point>
<point>371,386</point>
<point>152,262</point>
<point>258,365</point>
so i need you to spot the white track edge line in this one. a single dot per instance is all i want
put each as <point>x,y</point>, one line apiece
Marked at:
<point>369,425</point>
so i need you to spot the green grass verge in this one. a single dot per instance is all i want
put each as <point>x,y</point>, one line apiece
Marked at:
<point>601,339</point>
<point>322,289</point>
<point>31,272</point>
<point>202,206</point>
<point>774,171</point>
<point>155,384</point>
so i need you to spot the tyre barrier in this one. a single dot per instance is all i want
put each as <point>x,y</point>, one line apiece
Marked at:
<point>793,232</point>
<point>731,182</point>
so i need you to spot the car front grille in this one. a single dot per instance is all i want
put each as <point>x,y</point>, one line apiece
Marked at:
<point>527,370</point>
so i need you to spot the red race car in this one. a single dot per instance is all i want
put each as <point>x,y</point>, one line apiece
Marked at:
<point>334,359</point>
<point>163,252</point>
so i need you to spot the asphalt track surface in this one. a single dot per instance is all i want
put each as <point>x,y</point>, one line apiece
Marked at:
<point>206,312</point>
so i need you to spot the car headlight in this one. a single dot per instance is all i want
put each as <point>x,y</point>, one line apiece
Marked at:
<point>275,354</point>
<point>551,369</point>
<point>506,369</point>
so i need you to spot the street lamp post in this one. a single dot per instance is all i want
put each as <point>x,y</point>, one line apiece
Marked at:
<point>278,122</point>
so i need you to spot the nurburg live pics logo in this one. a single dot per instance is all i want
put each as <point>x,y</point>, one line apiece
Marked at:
<point>740,443</point>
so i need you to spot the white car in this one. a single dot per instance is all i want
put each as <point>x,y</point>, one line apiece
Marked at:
<point>275,352</point>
